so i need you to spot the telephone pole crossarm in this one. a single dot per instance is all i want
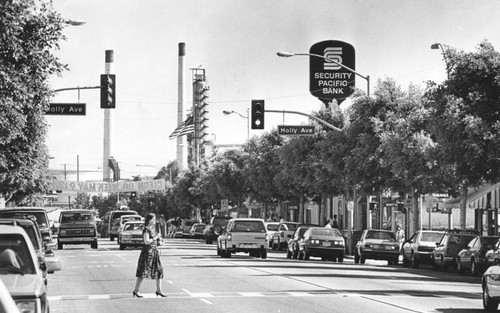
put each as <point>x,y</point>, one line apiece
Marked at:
<point>308,115</point>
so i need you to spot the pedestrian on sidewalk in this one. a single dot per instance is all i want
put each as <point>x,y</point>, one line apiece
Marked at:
<point>149,264</point>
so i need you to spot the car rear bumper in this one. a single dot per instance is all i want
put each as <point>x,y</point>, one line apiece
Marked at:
<point>324,251</point>
<point>380,255</point>
<point>76,240</point>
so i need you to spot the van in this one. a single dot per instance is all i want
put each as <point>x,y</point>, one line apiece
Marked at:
<point>114,222</point>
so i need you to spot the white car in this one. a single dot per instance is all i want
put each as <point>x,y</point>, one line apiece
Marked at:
<point>280,238</point>
<point>272,228</point>
<point>247,235</point>
<point>20,270</point>
<point>491,288</point>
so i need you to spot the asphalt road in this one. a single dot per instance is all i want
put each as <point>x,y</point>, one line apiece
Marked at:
<point>197,280</point>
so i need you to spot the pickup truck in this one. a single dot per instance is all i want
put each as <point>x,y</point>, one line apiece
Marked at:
<point>246,235</point>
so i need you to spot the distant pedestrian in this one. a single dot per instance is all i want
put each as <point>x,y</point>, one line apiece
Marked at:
<point>329,223</point>
<point>400,236</point>
<point>149,264</point>
<point>335,223</point>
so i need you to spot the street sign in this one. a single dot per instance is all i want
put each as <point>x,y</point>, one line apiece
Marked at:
<point>296,130</point>
<point>66,109</point>
<point>328,80</point>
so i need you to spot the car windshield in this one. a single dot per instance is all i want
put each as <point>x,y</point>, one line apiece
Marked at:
<point>327,232</point>
<point>77,217</point>
<point>431,237</point>
<point>188,223</point>
<point>134,226</point>
<point>115,216</point>
<point>272,227</point>
<point>15,257</point>
<point>248,226</point>
<point>462,240</point>
<point>130,218</point>
<point>220,221</point>
<point>302,231</point>
<point>383,235</point>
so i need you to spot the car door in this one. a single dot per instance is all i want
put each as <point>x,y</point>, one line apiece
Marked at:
<point>467,253</point>
<point>408,246</point>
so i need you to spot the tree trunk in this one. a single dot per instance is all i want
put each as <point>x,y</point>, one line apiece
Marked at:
<point>415,214</point>
<point>301,210</point>
<point>463,205</point>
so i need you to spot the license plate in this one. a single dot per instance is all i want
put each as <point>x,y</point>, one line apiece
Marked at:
<point>248,246</point>
<point>327,243</point>
<point>376,247</point>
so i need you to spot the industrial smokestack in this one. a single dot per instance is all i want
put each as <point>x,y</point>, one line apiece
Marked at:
<point>180,104</point>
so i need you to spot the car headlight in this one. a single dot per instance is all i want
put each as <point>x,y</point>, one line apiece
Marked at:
<point>29,305</point>
<point>229,237</point>
<point>315,241</point>
<point>62,232</point>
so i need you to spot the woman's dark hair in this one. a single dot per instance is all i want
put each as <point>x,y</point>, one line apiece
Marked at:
<point>149,217</point>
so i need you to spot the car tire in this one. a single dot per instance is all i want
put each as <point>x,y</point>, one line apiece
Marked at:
<point>356,258</point>
<point>263,254</point>
<point>489,304</point>
<point>93,245</point>
<point>111,238</point>
<point>228,254</point>
<point>306,255</point>
<point>340,259</point>
<point>208,240</point>
<point>59,246</point>
<point>122,247</point>
<point>300,256</point>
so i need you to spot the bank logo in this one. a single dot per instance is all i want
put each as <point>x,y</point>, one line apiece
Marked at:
<point>333,53</point>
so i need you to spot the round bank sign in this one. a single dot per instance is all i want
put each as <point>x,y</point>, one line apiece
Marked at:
<point>332,66</point>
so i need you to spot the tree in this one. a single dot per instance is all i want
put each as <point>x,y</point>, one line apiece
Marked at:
<point>464,119</point>
<point>30,33</point>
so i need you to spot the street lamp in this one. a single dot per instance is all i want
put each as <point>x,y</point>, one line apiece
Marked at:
<point>437,46</point>
<point>74,22</point>
<point>247,117</point>
<point>291,54</point>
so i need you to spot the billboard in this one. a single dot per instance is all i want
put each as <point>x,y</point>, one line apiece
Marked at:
<point>331,68</point>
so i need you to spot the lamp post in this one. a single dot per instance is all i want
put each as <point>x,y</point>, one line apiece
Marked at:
<point>437,46</point>
<point>247,118</point>
<point>291,54</point>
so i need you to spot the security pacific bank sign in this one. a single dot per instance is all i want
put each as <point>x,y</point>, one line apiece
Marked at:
<point>124,186</point>
<point>328,79</point>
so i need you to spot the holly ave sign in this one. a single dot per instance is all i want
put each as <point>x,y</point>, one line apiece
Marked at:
<point>306,130</point>
<point>328,80</point>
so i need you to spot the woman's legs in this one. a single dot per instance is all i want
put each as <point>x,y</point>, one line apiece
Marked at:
<point>138,283</point>
<point>158,285</point>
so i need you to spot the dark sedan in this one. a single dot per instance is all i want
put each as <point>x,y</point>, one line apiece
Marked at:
<point>326,243</point>
<point>377,244</point>
<point>473,257</point>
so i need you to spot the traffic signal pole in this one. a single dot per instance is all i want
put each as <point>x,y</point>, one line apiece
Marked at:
<point>106,176</point>
<point>308,115</point>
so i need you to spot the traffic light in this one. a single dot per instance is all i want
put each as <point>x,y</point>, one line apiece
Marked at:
<point>108,95</point>
<point>258,114</point>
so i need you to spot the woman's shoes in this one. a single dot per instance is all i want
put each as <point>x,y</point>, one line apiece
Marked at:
<point>159,294</point>
<point>136,294</point>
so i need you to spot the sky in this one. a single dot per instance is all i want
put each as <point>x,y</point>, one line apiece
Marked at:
<point>236,43</point>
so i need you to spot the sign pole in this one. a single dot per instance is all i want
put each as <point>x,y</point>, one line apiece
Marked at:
<point>106,170</point>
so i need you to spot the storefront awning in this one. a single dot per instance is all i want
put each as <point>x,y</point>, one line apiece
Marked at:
<point>477,198</point>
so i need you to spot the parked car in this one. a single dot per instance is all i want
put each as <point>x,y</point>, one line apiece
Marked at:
<point>419,248</point>
<point>197,230</point>
<point>36,213</point>
<point>20,272</point>
<point>292,251</point>
<point>280,238</point>
<point>326,243</point>
<point>33,232</point>
<point>473,257</point>
<point>131,234</point>
<point>77,227</point>
<point>215,228</point>
<point>186,227</point>
<point>246,235</point>
<point>114,221</point>
<point>378,245</point>
<point>272,228</point>
<point>493,255</point>
<point>491,288</point>
<point>446,251</point>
